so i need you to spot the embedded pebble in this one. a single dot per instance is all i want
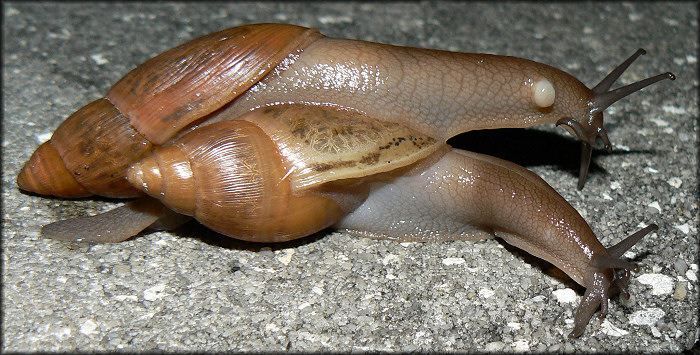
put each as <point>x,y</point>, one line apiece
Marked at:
<point>566,295</point>
<point>685,228</point>
<point>88,327</point>
<point>453,261</point>
<point>675,182</point>
<point>154,293</point>
<point>655,205</point>
<point>681,290</point>
<point>520,345</point>
<point>494,346</point>
<point>660,284</point>
<point>647,316</point>
<point>692,273</point>
<point>44,137</point>
<point>681,266</point>
<point>486,293</point>
<point>285,256</point>
<point>609,329</point>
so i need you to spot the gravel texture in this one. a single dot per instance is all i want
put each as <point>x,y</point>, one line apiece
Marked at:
<point>193,290</point>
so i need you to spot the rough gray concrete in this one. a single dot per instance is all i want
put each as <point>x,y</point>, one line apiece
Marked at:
<point>191,290</point>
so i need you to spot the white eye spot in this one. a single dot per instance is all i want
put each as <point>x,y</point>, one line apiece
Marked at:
<point>543,93</point>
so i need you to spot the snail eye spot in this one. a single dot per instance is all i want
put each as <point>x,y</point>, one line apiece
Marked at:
<point>543,93</point>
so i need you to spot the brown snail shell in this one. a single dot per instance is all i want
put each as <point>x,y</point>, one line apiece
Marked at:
<point>153,103</point>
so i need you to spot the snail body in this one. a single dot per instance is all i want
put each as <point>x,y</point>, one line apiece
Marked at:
<point>272,132</point>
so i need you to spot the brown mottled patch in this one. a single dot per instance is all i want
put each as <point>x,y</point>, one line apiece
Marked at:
<point>370,159</point>
<point>420,142</point>
<point>328,166</point>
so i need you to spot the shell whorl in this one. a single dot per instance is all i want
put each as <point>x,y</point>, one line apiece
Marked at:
<point>88,154</point>
<point>45,174</point>
<point>231,178</point>
<point>152,104</point>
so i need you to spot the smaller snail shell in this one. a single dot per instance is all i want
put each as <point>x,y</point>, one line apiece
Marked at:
<point>231,178</point>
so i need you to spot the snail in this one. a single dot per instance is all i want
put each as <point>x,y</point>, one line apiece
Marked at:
<point>271,132</point>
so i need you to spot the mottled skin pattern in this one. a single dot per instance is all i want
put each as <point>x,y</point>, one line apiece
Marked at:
<point>435,92</point>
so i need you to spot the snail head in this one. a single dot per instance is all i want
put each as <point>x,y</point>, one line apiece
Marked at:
<point>589,129</point>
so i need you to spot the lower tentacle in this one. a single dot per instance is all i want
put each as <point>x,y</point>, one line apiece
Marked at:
<point>603,282</point>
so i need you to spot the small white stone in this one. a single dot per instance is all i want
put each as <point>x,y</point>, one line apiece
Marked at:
<point>521,345</point>
<point>59,332</point>
<point>99,58</point>
<point>660,283</point>
<point>126,298</point>
<point>390,258</point>
<point>88,327</point>
<point>514,325</point>
<point>44,137</point>
<point>675,182</point>
<point>685,228</point>
<point>609,329</point>
<point>154,293</point>
<point>673,109</point>
<point>647,316</point>
<point>655,205</point>
<point>272,327</point>
<point>148,315</point>
<point>538,298</point>
<point>486,293</point>
<point>453,261</point>
<point>691,275</point>
<point>670,21</point>
<point>11,11</point>
<point>330,19</point>
<point>565,295</point>
<point>494,346</point>
<point>658,122</point>
<point>285,256</point>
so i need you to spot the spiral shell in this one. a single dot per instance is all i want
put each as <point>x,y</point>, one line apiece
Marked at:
<point>152,104</point>
<point>231,178</point>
